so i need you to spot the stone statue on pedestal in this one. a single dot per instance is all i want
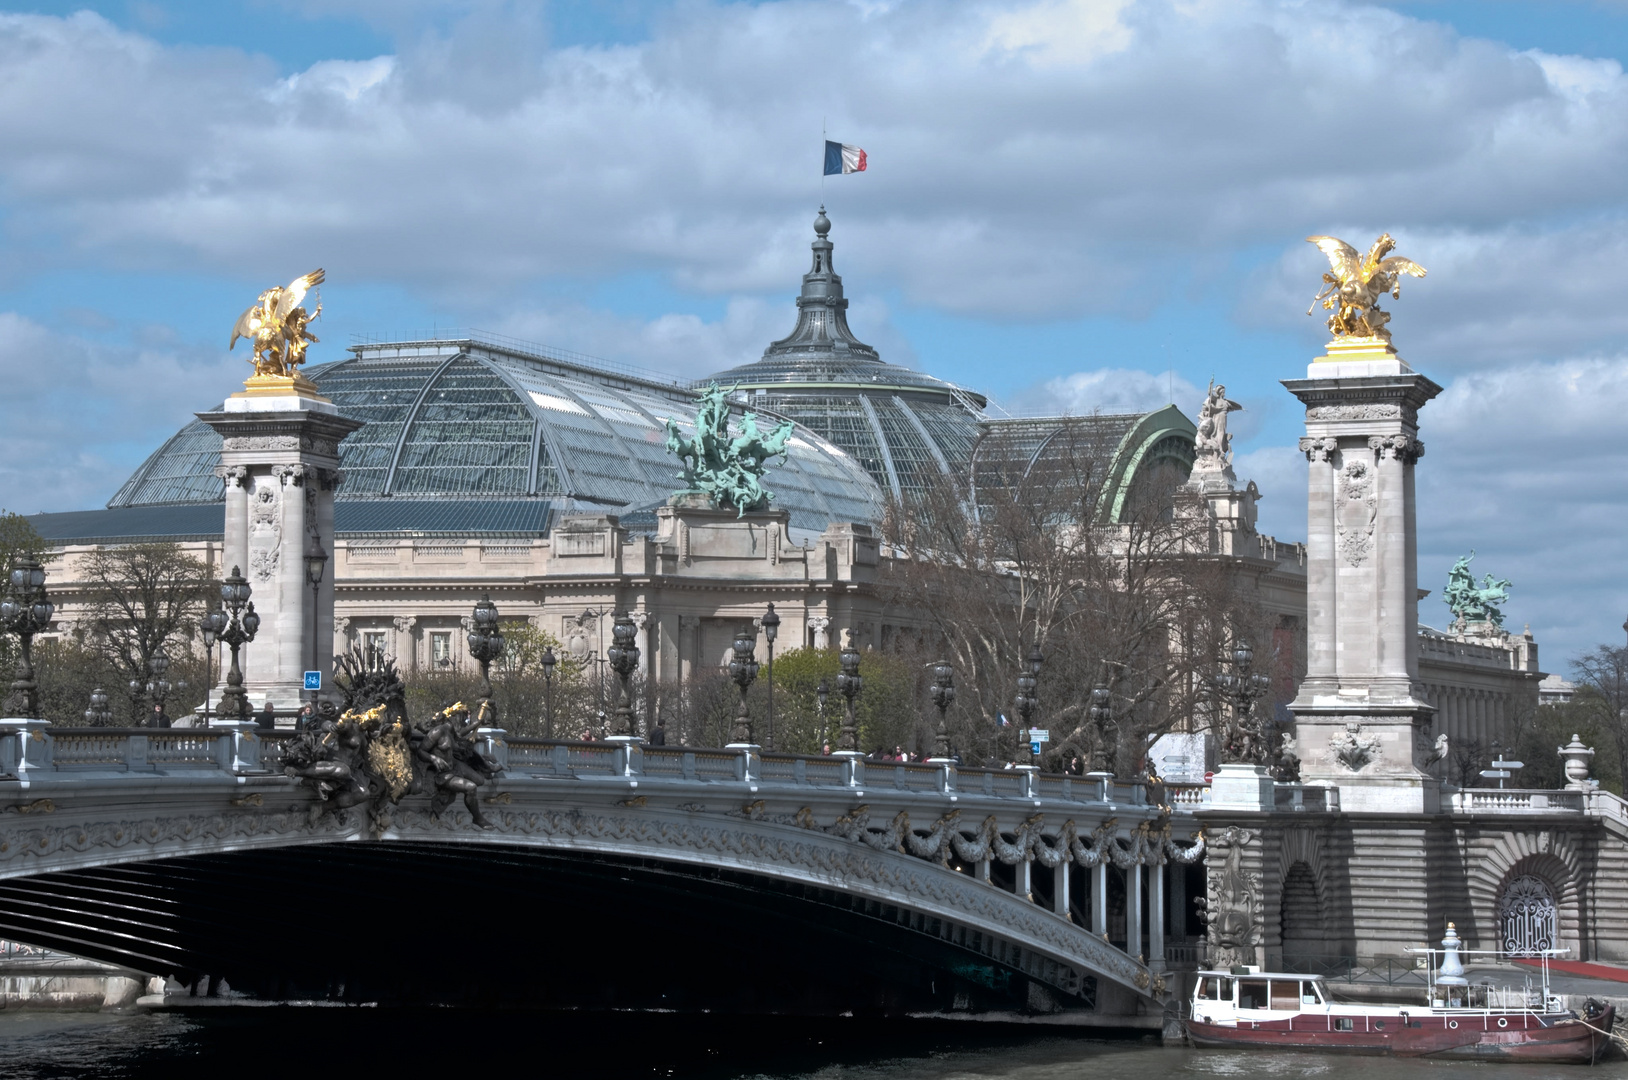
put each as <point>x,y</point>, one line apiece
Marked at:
<point>278,327</point>
<point>1471,603</point>
<point>1212,445</point>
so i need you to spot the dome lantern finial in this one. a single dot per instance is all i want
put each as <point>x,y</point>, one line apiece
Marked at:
<point>822,224</point>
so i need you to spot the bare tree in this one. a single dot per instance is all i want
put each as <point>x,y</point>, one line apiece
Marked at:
<point>1045,548</point>
<point>140,597</point>
<point>1602,695</point>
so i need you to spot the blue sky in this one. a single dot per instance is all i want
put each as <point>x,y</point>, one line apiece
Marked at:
<point>1071,203</point>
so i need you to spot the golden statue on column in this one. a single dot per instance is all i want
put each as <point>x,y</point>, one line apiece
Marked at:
<point>1352,290</point>
<point>279,328</point>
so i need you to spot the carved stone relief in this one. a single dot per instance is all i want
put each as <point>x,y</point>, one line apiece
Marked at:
<point>1355,512</point>
<point>1354,412</point>
<point>1233,927</point>
<point>1318,449</point>
<point>1352,748</point>
<point>265,528</point>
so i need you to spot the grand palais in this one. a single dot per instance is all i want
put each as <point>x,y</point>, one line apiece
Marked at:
<point>489,466</point>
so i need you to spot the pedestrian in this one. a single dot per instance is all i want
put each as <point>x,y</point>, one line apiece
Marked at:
<point>268,717</point>
<point>826,750</point>
<point>587,734</point>
<point>658,734</point>
<point>160,718</point>
<point>303,720</point>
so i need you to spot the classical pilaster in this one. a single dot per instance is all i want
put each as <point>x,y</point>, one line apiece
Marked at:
<point>1361,709</point>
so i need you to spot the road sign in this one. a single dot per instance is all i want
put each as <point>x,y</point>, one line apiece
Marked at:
<point>1039,735</point>
<point>1495,774</point>
<point>313,680</point>
<point>1508,764</point>
<point>1034,748</point>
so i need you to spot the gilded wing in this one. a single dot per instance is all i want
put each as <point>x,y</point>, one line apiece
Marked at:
<point>296,292</point>
<point>1345,260</point>
<point>248,324</point>
<point>1398,265</point>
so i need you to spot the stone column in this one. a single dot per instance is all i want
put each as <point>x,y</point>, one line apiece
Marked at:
<point>1156,916</point>
<point>1361,711</point>
<point>1099,899</point>
<point>404,647</point>
<point>1133,909</point>
<point>280,462</point>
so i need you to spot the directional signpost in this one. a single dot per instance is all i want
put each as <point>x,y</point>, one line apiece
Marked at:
<point>1502,770</point>
<point>1036,737</point>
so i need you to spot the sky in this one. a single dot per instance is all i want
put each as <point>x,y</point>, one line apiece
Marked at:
<point>1070,205</point>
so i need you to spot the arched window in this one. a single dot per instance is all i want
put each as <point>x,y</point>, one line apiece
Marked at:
<point>1526,916</point>
<point>1301,916</point>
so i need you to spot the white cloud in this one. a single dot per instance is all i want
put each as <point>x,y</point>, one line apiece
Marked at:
<point>1109,390</point>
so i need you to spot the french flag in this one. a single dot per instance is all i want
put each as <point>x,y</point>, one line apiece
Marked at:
<point>841,159</point>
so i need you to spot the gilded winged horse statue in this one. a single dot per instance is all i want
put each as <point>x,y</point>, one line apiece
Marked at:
<point>278,327</point>
<point>1353,289</point>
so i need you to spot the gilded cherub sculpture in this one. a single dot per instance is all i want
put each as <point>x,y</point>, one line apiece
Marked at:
<point>1353,289</point>
<point>279,327</point>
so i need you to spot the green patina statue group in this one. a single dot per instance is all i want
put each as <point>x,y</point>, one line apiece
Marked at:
<point>728,470</point>
<point>1472,603</point>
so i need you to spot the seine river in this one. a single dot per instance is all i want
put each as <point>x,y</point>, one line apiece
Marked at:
<point>368,1043</point>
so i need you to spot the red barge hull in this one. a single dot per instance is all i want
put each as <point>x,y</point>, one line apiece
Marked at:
<point>1509,1036</point>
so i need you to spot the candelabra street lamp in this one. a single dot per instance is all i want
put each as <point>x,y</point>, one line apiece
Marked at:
<point>485,645</point>
<point>549,660</point>
<point>624,660</point>
<point>1028,683</point>
<point>1101,714</point>
<point>771,627</point>
<point>211,626</point>
<point>821,692</point>
<point>743,669</point>
<point>943,697</point>
<point>241,624</point>
<point>157,687</point>
<point>25,611</point>
<point>849,684</point>
<point>99,714</point>
<point>315,560</point>
<point>1249,741</point>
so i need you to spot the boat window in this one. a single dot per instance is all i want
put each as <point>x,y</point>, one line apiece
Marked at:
<point>1342,1023</point>
<point>1310,994</point>
<point>1252,994</point>
<point>1210,989</point>
<point>1285,995</point>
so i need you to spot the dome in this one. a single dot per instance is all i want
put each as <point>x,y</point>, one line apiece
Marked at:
<point>903,426</point>
<point>476,437</point>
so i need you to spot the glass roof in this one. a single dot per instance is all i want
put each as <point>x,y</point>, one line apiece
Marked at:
<point>472,421</point>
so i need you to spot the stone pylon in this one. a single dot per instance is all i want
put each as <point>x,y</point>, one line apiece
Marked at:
<point>1360,717</point>
<point>280,463</point>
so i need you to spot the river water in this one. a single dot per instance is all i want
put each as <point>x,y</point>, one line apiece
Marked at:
<point>367,1043</point>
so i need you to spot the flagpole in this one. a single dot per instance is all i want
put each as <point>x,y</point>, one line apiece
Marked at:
<point>823,137</point>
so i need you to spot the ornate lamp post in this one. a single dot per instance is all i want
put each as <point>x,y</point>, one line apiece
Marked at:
<point>25,612</point>
<point>549,661</point>
<point>1249,741</point>
<point>821,692</point>
<point>157,687</point>
<point>624,659</point>
<point>241,625</point>
<point>771,627</point>
<point>943,697</point>
<point>743,669</point>
<point>1101,714</point>
<point>485,645</point>
<point>210,626</point>
<point>315,560</point>
<point>99,714</point>
<point>849,684</point>
<point>1028,682</point>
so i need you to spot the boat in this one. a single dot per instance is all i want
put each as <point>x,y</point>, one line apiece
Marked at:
<point>1247,1008</point>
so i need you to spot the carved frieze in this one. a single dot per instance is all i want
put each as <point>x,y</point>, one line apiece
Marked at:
<point>1369,411</point>
<point>307,443</point>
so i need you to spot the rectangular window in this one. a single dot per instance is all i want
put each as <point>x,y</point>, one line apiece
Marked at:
<point>1252,994</point>
<point>373,648</point>
<point>1285,995</point>
<point>1343,1023</point>
<point>441,648</point>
